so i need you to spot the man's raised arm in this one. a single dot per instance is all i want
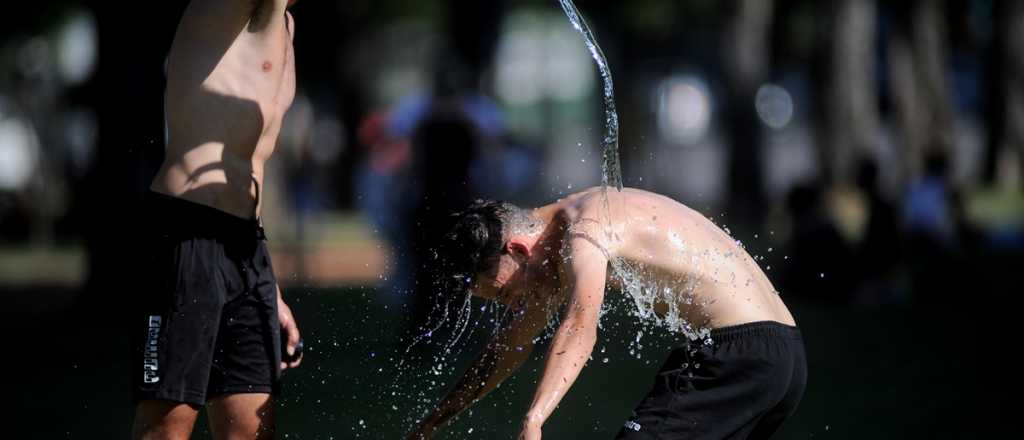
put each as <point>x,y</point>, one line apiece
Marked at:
<point>234,14</point>
<point>503,355</point>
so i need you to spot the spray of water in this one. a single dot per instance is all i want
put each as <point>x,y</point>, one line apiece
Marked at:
<point>611,172</point>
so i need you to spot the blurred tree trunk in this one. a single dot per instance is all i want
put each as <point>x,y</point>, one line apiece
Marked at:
<point>1005,87</point>
<point>128,94</point>
<point>473,27</point>
<point>746,52</point>
<point>445,144</point>
<point>917,52</point>
<point>851,107</point>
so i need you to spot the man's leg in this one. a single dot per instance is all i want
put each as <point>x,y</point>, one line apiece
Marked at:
<point>163,420</point>
<point>242,416</point>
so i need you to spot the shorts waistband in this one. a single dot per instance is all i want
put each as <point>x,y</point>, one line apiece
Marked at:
<point>692,352</point>
<point>177,214</point>
<point>758,328</point>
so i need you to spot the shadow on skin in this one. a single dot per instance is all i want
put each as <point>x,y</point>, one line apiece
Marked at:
<point>198,115</point>
<point>238,416</point>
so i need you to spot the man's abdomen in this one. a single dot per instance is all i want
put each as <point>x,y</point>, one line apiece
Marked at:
<point>210,175</point>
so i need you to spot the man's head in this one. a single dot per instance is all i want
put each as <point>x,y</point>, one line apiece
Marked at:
<point>489,245</point>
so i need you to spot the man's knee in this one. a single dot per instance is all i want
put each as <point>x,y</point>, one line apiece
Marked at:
<point>163,420</point>
<point>242,416</point>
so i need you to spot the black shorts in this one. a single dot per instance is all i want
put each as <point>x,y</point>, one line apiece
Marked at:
<point>743,385</point>
<point>206,323</point>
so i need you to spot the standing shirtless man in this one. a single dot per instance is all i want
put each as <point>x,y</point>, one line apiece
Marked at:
<point>213,321</point>
<point>741,368</point>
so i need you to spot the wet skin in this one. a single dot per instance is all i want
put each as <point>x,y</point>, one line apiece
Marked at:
<point>570,262</point>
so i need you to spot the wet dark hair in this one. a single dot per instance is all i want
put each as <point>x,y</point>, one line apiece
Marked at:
<point>477,238</point>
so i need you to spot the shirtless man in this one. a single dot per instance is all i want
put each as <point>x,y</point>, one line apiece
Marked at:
<point>740,372</point>
<point>213,321</point>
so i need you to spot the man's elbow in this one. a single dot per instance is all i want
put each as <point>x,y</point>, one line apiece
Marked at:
<point>583,330</point>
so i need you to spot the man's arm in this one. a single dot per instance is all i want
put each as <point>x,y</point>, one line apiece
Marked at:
<point>574,341</point>
<point>290,330</point>
<point>234,14</point>
<point>503,355</point>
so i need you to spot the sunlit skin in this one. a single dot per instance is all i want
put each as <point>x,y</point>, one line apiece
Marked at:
<point>567,263</point>
<point>230,80</point>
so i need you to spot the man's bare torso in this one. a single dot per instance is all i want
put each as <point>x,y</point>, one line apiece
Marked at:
<point>665,244</point>
<point>230,79</point>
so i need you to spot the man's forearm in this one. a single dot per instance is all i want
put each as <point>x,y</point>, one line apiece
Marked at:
<point>570,350</point>
<point>492,367</point>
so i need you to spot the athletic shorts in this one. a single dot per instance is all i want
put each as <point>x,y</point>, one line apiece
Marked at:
<point>206,322</point>
<point>742,386</point>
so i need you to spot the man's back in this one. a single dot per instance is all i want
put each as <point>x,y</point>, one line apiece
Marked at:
<point>230,80</point>
<point>660,245</point>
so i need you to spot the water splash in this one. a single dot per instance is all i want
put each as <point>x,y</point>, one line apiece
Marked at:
<point>611,171</point>
<point>418,378</point>
<point>644,294</point>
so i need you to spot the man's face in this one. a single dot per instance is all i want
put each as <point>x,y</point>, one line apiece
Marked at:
<point>503,284</point>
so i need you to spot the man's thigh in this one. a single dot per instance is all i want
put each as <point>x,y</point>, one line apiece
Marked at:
<point>242,416</point>
<point>163,420</point>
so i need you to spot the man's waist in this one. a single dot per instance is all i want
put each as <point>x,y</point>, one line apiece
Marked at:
<point>232,192</point>
<point>175,213</point>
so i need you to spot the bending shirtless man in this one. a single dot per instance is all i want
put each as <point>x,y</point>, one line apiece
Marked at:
<point>213,321</point>
<point>741,369</point>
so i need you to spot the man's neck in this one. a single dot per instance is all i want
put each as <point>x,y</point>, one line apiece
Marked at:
<point>551,227</point>
<point>546,250</point>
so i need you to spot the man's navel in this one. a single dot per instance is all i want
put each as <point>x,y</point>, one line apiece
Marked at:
<point>267,66</point>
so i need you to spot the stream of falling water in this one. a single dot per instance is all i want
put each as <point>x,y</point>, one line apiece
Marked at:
<point>644,293</point>
<point>611,171</point>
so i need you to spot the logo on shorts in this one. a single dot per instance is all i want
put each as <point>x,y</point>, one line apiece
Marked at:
<point>633,425</point>
<point>150,362</point>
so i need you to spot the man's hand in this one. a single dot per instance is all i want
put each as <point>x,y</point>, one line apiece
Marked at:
<point>531,430</point>
<point>290,330</point>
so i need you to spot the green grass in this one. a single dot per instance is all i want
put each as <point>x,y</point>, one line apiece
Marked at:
<point>34,265</point>
<point>874,373</point>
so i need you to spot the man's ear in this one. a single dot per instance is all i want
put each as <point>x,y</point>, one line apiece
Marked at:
<point>518,249</point>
